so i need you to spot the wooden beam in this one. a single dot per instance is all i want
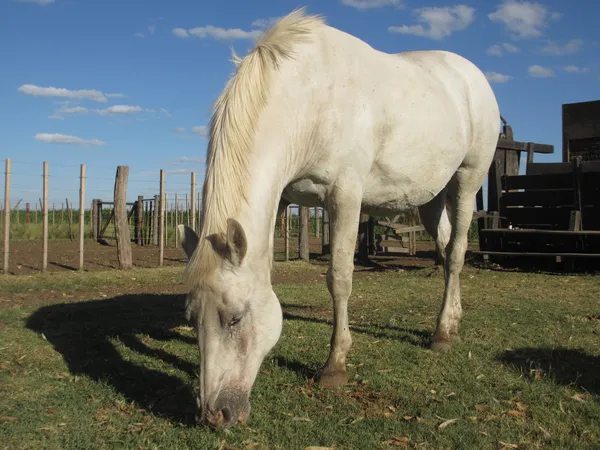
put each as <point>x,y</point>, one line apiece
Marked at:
<point>507,144</point>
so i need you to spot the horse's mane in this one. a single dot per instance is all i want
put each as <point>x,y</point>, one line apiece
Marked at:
<point>231,132</point>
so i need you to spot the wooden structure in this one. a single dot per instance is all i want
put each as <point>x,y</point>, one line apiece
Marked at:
<point>402,242</point>
<point>553,210</point>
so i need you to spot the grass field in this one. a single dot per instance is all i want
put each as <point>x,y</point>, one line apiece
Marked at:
<point>105,360</point>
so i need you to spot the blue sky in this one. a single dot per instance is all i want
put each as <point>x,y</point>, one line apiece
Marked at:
<point>131,82</point>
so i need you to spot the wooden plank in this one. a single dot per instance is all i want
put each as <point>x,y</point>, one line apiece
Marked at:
<point>549,168</point>
<point>537,198</point>
<point>507,144</point>
<point>538,231</point>
<point>537,217</point>
<point>540,181</point>
<point>571,255</point>
<point>81,214</point>
<point>401,228</point>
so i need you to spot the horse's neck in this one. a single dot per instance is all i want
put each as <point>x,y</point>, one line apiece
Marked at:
<point>259,215</point>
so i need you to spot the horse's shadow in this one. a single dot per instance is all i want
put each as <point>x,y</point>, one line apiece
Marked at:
<point>82,333</point>
<point>568,367</point>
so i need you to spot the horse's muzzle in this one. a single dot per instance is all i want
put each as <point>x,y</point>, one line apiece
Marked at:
<point>232,407</point>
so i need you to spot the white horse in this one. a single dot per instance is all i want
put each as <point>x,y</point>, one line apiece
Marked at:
<point>317,117</point>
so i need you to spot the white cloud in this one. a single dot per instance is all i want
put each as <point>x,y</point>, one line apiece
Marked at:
<point>57,138</point>
<point>201,130</point>
<point>119,109</point>
<point>139,34</point>
<point>73,110</point>
<point>221,33</point>
<point>39,2</point>
<point>495,77</point>
<point>362,5</point>
<point>151,30</point>
<point>540,72</point>
<point>523,19</point>
<point>576,69</point>
<point>265,23</point>
<point>179,130</point>
<point>56,117</point>
<point>165,112</point>
<point>180,33</point>
<point>440,21</point>
<point>573,46</point>
<point>500,49</point>
<point>82,94</point>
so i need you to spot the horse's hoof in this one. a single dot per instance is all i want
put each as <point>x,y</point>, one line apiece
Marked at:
<point>333,379</point>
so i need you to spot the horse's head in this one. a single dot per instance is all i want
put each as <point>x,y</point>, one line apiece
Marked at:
<point>238,320</point>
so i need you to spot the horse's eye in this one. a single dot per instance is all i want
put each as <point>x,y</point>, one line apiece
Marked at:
<point>234,321</point>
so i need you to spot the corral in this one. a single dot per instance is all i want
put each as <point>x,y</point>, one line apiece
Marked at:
<point>102,357</point>
<point>532,375</point>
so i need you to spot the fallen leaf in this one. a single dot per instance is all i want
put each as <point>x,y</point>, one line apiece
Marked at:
<point>521,406</point>
<point>398,441</point>
<point>482,408</point>
<point>446,423</point>
<point>407,418</point>
<point>301,419</point>
<point>580,397</point>
<point>515,413</point>
<point>319,448</point>
<point>507,445</point>
<point>8,419</point>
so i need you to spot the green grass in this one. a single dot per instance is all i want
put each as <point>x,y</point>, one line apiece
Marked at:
<point>120,372</point>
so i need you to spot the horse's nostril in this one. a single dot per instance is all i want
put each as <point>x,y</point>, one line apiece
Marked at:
<point>226,414</point>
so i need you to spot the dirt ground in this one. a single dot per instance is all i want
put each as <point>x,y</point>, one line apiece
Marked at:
<point>26,256</point>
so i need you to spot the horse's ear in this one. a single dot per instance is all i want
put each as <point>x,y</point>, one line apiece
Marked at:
<point>231,246</point>
<point>188,239</point>
<point>236,241</point>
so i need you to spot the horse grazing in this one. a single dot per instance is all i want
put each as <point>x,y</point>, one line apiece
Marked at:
<point>317,117</point>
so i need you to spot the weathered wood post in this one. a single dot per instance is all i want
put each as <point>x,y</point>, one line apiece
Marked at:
<point>27,213</point>
<point>303,234</point>
<point>286,232</point>
<point>7,173</point>
<point>45,218</point>
<point>193,200</point>
<point>81,214</point>
<point>139,219</point>
<point>363,238</point>
<point>155,221</point>
<point>317,222</point>
<point>121,226</point>
<point>161,219</point>
<point>325,246</point>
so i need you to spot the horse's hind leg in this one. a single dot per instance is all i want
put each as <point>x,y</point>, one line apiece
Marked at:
<point>462,193</point>
<point>434,218</point>
<point>344,214</point>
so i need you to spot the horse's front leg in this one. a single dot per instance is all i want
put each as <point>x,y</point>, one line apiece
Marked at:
<point>344,214</point>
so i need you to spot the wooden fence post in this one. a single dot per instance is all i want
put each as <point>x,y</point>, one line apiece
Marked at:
<point>286,232</point>
<point>27,213</point>
<point>161,215</point>
<point>7,173</point>
<point>121,226</point>
<point>303,234</point>
<point>325,246</point>
<point>317,222</point>
<point>193,200</point>
<point>81,213</point>
<point>45,220</point>
<point>139,219</point>
<point>155,221</point>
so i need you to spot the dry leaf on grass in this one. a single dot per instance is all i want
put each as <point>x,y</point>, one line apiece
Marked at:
<point>320,448</point>
<point>398,441</point>
<point>446,423</point>
<point>507,445</point>
<point>515,413</point>
<point>8,419</point>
